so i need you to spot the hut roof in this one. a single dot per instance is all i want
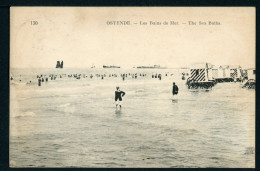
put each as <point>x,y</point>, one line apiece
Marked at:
<point>224,66</point>
<point>234,66</point>
<point>201,65</point>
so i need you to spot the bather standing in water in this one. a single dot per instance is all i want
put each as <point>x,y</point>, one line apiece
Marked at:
<point>175,89</point>
<point>118,97</point>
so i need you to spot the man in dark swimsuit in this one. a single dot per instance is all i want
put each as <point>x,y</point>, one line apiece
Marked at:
<point>175,89</point>
<point>118,96</point>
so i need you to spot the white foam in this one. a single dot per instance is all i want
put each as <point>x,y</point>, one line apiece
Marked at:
<point>27,114</point>
<point>64,105</point>
<point>62,150</point>
<point>139,90</point>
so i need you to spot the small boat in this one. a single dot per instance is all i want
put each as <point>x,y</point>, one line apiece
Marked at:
<point>110,66</point>
<point>151,67</point>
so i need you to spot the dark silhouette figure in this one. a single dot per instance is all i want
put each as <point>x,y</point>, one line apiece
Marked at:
<point>61,65</point>
<point>58,64</point>
<point>118,96</point>
<point>175,89</point>
<point>39,82</point>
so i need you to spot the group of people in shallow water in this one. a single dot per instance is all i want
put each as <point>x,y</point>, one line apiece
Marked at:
<point>120,94</point>
<point>45,78</point>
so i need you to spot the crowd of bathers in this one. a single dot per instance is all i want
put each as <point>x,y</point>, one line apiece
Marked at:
<point>39,79</point>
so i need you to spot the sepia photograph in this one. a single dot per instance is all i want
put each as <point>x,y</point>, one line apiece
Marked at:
<point>132,87</point>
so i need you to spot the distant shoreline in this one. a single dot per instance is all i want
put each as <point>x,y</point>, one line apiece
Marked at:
<point>95,68</point>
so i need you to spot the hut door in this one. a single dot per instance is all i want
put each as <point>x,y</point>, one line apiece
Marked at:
<point>197,72</point>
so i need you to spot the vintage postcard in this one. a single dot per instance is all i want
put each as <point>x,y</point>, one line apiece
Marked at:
<point>132,87</point>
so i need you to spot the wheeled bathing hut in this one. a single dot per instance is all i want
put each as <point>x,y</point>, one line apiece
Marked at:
<point>221,73</point>
<point>200,76</point>
<point>249,74</point>
<point>250,77</point>
<point>227,73</point>
<point>236,72</point>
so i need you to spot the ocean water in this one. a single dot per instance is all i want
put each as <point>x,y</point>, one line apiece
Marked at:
<point>71,122</point>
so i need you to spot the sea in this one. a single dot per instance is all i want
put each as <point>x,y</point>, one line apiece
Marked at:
<point>69,122</point>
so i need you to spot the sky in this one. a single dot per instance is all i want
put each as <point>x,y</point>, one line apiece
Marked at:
<point>81,37</point>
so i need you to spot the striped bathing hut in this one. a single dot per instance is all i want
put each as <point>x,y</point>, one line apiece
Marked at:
<point>251,72</point>
<point>198,74</point>
<point>236,72</point>
<point>245,74</point>
<point>201,72</point>
<point>251,78</point>
<point>233,73</point>
<point>201,75</point>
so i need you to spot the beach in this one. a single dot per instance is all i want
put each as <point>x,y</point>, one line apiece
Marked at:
<point>71,122</point>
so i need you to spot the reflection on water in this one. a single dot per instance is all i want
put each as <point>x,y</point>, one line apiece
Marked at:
<point>74,123</point>
<point>118,112</point>
<point>174,100</point>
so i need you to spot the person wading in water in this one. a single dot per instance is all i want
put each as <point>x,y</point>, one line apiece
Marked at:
<point>118,96</point>
<point>175,89</point>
